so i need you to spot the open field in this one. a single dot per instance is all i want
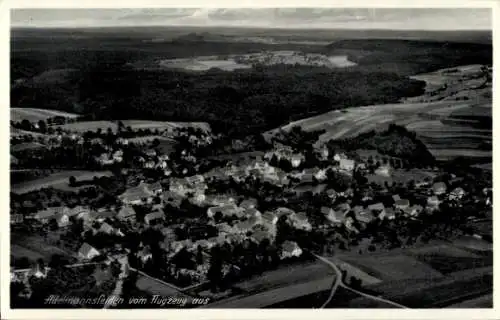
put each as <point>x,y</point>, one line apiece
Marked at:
<point>34,115</point>
<point>286,276</point>
<point>156,288</point>
<point>56,180</point>
<point>34,247</point>
<point>393,267</point>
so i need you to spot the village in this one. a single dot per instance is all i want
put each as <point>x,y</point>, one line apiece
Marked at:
<point>187,224</point>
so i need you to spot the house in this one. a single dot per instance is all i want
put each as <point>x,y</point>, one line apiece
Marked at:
<point>195,180</point>
<point>249,203</point>
<point>300,221</point>
<point>439,188</point>
<point>336,217</point>
<point>396,197</point>
<point>245,226</point>
<point>389,214</point>
<point>414,210</point>
<point>260,235</point>
<point>198,198</point>
<point>269,218</point>
<point>384,171</point>
<point>16,218</point>
<point>363,216</point>
<point>343,207</point>
<point>87,252</point>
<point>253,213</point>
<point>172,199</point>
<point>154,217</point>
<point>177,186</point>
<point>456,194</point>
<point>78,211</point>
<point>62,220</point>
<point>220,200</point>
<point>145,254</point>
<point>150,153</point>
<point>106,228</point>
<point>167,172</point>
<point>402,204</point>
<point>137,195</point>
<point>224,228</point>
<point>346,164</point>
<point>126,213</point>
<point>296,160</point>
<point>349,224</point>
<point>229,210</point>
<point>378,209</point>
<point>290,249</point>
<point>307,178</point>
<point>433,202</point>
<point>282,211</point>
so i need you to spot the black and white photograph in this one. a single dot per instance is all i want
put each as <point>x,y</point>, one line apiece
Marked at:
<point>250,158</point>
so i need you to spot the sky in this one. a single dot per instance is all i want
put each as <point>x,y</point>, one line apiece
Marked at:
<point>334,18</point>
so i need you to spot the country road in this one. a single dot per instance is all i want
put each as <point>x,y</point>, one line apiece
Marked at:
<point>117,292</point>
<point>339,283</point>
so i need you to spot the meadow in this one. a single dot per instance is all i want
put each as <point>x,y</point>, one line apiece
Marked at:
<point>59,180</point>
<point>35,115</point>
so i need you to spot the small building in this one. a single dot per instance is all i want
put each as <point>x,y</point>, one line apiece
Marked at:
<point>154,217</point>
<point>296,160</point>
<point>249,203</point>
<point>253,213</point>
<point>439,188</point>
<point>378,209</point>
<point>346,164</point>
<point>433,202</point>
<point>363,216</point>
<point>155,188</point>
<point>336,217</point>
<point>62,220</point>
<point>389,214</point>
<point>137,195</point>
<point>16,218</point>
<point>126,213</point>
<point>229,210</point>
<point>332,194</point>
<point>46,215</point>
<point>384,171</point>
<point>402,204</point>
<point>290,249</point>
<point>87,252</point>
<point>300,221</point>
